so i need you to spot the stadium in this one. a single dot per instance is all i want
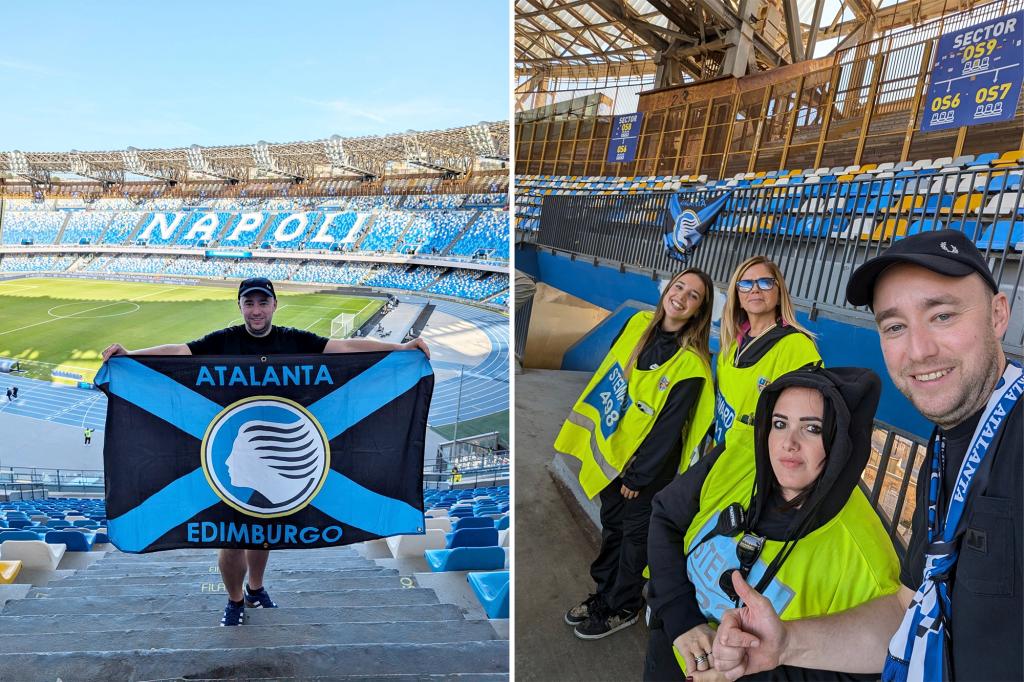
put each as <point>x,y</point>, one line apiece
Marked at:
<point>652,135</point>
<point>390,237</point>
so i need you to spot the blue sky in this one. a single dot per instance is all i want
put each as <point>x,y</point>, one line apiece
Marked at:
<point>105,75</point>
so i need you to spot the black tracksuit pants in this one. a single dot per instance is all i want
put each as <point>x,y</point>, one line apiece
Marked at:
<point>618,568</point>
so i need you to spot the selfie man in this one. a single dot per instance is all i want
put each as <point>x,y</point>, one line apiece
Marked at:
<point>958,613</point>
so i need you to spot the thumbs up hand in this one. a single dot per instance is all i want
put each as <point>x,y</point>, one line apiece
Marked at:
<point>750,639</point>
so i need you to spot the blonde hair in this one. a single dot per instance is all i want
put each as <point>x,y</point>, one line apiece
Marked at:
<point>694,334</point>
<point>733,316</point>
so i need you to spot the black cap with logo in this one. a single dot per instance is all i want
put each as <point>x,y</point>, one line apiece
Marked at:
<point>947,252</point>
<point>259,284</point>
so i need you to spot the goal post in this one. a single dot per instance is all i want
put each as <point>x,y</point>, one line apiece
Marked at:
<point>343,325</point>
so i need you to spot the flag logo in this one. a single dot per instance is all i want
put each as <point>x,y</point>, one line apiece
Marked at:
<point>265,456</point>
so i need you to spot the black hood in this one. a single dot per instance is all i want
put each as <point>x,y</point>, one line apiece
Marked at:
<point>851,397</point>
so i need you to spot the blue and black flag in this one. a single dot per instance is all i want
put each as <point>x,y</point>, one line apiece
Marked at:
<point>689,222</point>
<point>273,452</point>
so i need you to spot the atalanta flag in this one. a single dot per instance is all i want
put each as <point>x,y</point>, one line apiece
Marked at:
<point>688,225</point>
<point>273,452</point>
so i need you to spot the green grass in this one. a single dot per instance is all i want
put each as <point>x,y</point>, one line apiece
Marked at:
<point>472,427</point>
<point>67,323</point>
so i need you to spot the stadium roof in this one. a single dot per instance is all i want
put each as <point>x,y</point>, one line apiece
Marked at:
<point>682,40</point>
<point>449,152</point>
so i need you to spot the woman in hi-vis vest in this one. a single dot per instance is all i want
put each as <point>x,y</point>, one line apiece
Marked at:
<point>759,341</point>
<point>644,413</point>
<point>791,523</point>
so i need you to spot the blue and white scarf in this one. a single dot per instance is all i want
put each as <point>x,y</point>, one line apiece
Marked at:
<point>918,651</point>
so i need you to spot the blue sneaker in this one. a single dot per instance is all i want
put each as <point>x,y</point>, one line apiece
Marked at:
<point>258,599</point>
<point>234,614</point>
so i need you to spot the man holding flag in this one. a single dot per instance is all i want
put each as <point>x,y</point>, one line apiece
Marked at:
<point>278,463</point>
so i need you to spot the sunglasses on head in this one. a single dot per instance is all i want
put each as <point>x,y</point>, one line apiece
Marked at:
<point>763,283</point>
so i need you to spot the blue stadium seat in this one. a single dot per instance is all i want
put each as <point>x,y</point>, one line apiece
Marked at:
<point>472,522</point>
<point>997,235</point>
<point>21,535</point>
<point>76,541</point>
<point>473,537</point>
<point>502,523</point>
<point>492,592</point>
<point>465,559</point>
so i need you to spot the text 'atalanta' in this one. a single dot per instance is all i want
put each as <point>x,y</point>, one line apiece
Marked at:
<point>287,375</point>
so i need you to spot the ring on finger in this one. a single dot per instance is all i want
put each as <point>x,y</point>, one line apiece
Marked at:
<point>701,660</point>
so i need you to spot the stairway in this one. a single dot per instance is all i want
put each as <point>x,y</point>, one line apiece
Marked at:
<point>155,617</point>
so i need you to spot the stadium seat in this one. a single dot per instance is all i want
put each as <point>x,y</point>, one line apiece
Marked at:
<point>465,559</point>
<point>473,537</point>
<point>503,522</point>
<point>9,570</point>
<point>1001,233</point>
<point>472,522</point>
<point>32,553</point>
<point>74,540</point>
<point>441,523</point>
<point>492,591</point>
<point>414,545</point>
<point>21,534</point>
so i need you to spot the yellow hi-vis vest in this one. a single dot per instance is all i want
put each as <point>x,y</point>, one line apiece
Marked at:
<point>740,387</point>
<point>611,419</point>
<point>844,563</point>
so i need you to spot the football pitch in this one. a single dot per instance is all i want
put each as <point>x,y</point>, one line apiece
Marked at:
<point>63,325</point>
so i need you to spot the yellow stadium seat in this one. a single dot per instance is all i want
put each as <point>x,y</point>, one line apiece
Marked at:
<point>868,167</point>
<point>1010,159</point>
<point>886,230</point>
<point>9,570</point>
<point>966,203</point>
<point>907,203</point>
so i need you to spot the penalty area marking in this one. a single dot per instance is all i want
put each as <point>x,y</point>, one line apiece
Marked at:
<point>88,310</point>
<point>78,316</point>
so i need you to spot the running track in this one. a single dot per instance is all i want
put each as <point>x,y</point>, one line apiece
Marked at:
<point>485,386</point>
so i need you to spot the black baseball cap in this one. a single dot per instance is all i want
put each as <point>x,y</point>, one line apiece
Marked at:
<point>260,284</point>
<point>947,252</point>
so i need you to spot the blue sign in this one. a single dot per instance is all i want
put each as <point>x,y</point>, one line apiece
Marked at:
<point>625,134</point>
<point>976,75</point>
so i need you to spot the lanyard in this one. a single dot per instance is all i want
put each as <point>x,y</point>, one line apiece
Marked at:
<point>943,523</point>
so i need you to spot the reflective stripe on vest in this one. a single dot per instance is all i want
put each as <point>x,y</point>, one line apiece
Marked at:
<point>842,564</point>
<point>611,419</point>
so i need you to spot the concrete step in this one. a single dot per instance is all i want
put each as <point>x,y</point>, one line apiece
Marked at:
<point>216,637</point>
<point>64,624</point>
<point>114,588</point>
<point>186,554</point>
<point>141,567</point>
<point>304,662</point>
<point>451,677</point>
<point>83,579</point>
<point>214,601</point>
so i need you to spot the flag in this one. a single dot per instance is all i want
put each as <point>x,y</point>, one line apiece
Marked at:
<point>689,224</point>
<point>272,452</point>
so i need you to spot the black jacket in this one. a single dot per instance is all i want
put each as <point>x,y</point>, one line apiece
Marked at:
<point>851,397</point>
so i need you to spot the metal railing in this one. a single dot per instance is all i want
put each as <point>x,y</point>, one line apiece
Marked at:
<point>817,233</point>
<point>53,480</point>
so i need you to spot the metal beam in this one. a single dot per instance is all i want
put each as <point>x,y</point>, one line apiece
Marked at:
<point>793,30</point>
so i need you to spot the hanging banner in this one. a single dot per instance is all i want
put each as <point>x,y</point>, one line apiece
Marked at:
<point>625,135</point>
<point>976,75</point>
<point>688,223</point>
<point>273,452</point>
